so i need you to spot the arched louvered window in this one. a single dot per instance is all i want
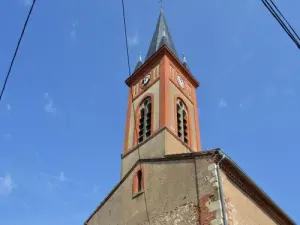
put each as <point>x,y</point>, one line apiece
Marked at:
<point>145,120</point>
<point>182,121</point>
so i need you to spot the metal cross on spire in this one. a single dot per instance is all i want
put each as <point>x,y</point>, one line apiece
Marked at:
<point>161,4</point>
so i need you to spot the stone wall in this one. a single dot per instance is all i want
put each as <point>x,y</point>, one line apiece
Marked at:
<point>179,190</point>
<point>210,203</point>
<point>175,190</point>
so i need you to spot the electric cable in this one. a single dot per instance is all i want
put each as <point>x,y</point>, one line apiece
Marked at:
<point>281,22</point>
<point>272,2</point>
<point>16,49</point>
<point>133,107</point>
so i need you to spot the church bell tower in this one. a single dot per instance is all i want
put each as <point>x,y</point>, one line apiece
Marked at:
<point>165,178</point>
<point>162,113</point>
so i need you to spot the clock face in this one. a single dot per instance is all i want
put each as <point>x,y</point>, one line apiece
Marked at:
<point>180,81</point>
<point>146,80</point>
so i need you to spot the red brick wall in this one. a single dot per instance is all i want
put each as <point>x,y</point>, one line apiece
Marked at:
<point>205,215</point>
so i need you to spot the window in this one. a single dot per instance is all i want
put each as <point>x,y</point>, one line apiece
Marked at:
<point>182,121</point>
<point>140,181</point>
<point>145,120</point>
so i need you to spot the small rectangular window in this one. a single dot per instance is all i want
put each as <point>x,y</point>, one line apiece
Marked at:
<point>140,180</point>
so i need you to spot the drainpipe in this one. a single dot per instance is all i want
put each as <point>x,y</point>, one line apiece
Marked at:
<point>221,191</point>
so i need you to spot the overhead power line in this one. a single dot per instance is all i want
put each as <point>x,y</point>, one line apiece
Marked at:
<point>276,13</point>
<point>285,19</point>
<point>133,106</point>
<point>16,50</point>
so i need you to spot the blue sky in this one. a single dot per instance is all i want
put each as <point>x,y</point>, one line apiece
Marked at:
<point>62,119</point>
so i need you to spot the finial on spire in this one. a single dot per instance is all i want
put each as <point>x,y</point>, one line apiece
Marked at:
<point>139,63</point>
<point>184,58</point>
<point>184,61</point>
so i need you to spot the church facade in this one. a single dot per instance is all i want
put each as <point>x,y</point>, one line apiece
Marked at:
<point>166,178</point>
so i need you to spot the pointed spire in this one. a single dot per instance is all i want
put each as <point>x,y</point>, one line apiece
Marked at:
<point>139,63</point>
<point>161,36</point>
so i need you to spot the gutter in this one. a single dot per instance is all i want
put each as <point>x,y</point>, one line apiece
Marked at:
<point>221,190</point>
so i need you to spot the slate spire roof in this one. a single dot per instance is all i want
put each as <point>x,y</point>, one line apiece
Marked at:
<point>161,36</point>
